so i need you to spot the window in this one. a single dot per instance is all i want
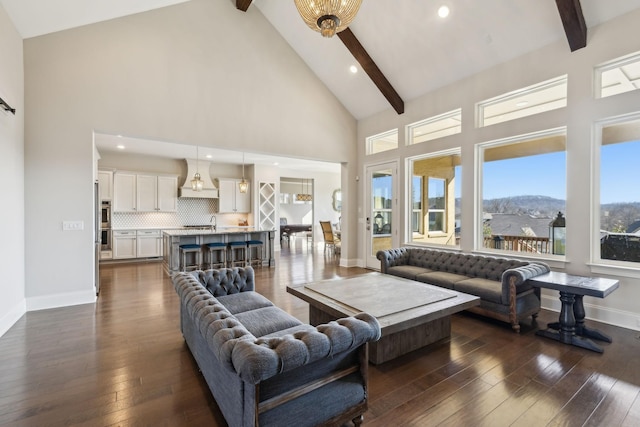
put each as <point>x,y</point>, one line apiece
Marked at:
<point>437,204</point>
<point>521,190</point>
<point>618,76</point>
<point>435,127</point>
<point>382,142</point>
<point>618,237</point>
<point>434,202</point>
<point>416,204</point>
<point>381,188</point>
<point>545,96</point>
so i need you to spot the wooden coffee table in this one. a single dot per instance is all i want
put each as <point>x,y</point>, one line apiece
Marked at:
<point>411,314</point>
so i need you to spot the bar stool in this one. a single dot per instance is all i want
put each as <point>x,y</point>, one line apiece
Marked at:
<point>238,254</point>
<point>197,257</point>
<point>219,251</point>
<point>257,245</point>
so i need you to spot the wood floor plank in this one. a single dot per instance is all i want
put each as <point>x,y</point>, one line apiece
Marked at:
<point>123,362</point>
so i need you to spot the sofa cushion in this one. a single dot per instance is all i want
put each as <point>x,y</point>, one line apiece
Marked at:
<point>407,271</point>
<point>266,320</point>
<point>244,301</point>
<point>441,278</point>
<point>305,327</point>
<point>486,289</point>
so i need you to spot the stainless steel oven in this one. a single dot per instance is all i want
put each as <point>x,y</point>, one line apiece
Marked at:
<point>105,214</point>
<point>105,239</point>
<point>105,225</point>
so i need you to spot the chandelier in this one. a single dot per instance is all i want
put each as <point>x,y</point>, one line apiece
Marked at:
<point>328,16</point>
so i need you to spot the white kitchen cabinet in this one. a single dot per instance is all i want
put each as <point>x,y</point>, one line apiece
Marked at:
<point>124,244</point>
<point>167,193</point>
<point>105,184</point>
<point>145,193</point>
<point>124,192</point>
<point>149,243</point>
<point>231,200</point>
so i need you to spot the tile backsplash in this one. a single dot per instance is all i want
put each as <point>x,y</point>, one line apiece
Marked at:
<point>189,212</point>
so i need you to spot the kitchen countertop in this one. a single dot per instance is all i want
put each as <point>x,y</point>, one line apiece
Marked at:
<point>220,230</point>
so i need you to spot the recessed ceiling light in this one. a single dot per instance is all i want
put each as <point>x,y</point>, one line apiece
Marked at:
<point>120,147</point>
<point>353,69</point>
<point>443,12</point>
<point>275,163</point>
<point>522,103</point>
<point>208,156</point>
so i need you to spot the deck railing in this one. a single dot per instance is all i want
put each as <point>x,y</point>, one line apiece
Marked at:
<point>530,244</point>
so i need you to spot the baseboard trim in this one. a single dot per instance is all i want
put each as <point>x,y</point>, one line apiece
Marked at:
<point>60,300</point>
<point>10,319</point>
<point>611,316</point>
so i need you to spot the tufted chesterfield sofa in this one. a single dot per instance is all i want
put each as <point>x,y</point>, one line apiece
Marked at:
<point>263,366</point>
<point>500,283</point>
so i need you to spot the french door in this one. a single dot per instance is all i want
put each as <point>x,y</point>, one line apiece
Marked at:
<point>381,215</point>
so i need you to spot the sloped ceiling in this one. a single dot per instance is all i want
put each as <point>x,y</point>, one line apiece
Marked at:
<point>415,49</point>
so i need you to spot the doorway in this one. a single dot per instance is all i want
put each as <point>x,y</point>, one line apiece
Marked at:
<point>381,215</point>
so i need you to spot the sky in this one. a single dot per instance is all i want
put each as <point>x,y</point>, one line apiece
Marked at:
<point>544,175</point>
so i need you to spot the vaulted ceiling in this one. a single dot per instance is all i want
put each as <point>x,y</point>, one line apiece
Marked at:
<point>410,49</point>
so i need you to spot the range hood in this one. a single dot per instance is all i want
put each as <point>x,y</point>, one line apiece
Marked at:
<point>209,191</point>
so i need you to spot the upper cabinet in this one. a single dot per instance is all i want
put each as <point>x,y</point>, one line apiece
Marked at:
<point>231,200</point>
<point>144,192</point>
<point>105,184</point>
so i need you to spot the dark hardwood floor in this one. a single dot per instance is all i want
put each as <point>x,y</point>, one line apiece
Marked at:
<point>123,362</point>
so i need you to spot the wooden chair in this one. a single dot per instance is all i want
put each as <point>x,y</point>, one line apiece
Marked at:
<point>330,240</point>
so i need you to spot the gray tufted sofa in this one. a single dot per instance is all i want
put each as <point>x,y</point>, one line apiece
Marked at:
<point>265,367</point>
<point>500,283</point>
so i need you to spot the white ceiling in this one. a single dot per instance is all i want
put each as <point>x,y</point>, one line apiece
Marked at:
<point>415,49</point>
<point>109,143</point>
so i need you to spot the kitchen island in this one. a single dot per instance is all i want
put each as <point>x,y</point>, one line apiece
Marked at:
<point>172,239</point>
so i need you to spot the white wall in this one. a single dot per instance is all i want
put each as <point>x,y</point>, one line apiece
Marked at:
<point>200,72</point>
<point>606,42</point>
<point>12,251</point>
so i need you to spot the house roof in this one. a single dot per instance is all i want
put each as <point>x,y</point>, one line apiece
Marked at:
<point>518,225</point>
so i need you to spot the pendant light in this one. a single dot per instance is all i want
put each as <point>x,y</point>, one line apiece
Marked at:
<point>243,185</point>
<point>302,196</point>
<point>196,183</point>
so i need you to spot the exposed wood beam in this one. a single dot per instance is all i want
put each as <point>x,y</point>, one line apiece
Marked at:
<point>573,22</point>
<point>370,67</point>
<point>243,5</point>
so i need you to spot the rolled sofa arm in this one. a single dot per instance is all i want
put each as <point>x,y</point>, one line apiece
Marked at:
<point>262,358</point>
<point>392,257</point>
<point>519,277</point>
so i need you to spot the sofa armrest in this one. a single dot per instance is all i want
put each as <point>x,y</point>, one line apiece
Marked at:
<point>392,257</point>
<point>226,281</point>
<point>262,358</point>
<point>518,276</point>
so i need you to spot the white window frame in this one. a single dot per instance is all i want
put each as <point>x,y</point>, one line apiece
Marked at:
<point>520,94</point>
<point>597,264</point>
<point>409,162</point>
<point>370,140</point>
<point>454,114</point>
<point>478,243</point>
<point>611,65</point>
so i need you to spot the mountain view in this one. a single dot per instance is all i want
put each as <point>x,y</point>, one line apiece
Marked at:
<point>615,217</point>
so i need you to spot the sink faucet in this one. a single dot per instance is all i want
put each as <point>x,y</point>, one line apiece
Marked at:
<point>214,222</point>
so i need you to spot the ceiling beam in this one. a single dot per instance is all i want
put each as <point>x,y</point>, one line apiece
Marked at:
<point>573,21</point>
<point>243,5</point>
<point>370,67</point>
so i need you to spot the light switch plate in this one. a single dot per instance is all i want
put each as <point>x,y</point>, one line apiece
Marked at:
<point>72,225</point>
